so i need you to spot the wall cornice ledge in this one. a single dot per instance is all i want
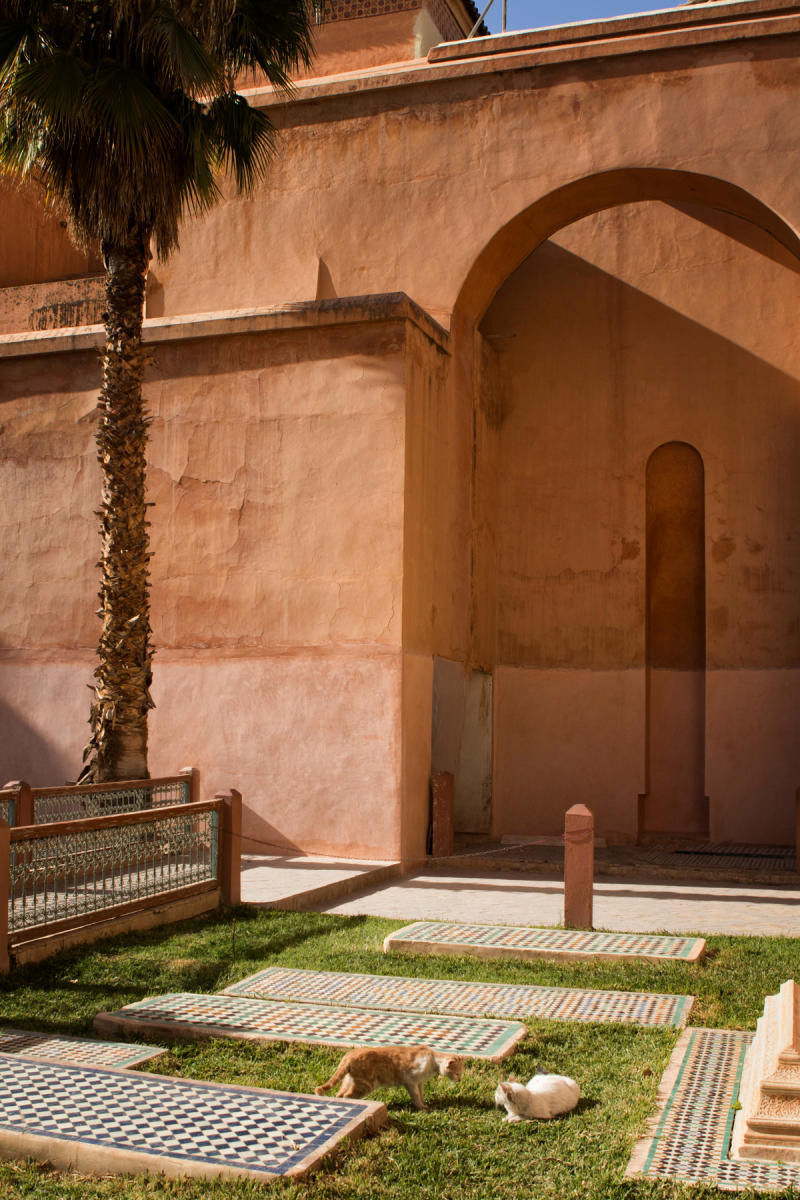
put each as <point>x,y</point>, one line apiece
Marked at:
<point>310,314</point>
<point>697,26</point>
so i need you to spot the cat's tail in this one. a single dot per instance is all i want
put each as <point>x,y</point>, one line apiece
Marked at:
<point>337,1077</point>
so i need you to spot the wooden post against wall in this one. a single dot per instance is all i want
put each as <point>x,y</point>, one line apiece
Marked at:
<point>5,880</point>
<point>23,805</point>
<point>578,867</point>
<point>442,803</point>
<point>230,847</point>
<point>193,776</point>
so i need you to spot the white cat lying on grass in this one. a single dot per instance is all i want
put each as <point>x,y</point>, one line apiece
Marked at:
<point>541,1098</point>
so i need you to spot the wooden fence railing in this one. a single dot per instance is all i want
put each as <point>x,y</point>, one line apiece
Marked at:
<point>66,876</point>
<point>20,804</point>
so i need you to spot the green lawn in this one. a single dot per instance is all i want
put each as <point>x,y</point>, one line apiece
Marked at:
<point>458,1148</point>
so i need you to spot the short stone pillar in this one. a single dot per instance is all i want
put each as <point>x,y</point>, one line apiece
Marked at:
<point>442,805</point>
<point>578,867</point>
<point>768,1123</point>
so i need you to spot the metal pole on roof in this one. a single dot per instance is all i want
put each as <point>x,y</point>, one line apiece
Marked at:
<point>476,26</point>
<point>505,14</point>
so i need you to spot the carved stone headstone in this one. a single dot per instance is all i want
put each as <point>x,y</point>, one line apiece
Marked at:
<point>768,1123</point>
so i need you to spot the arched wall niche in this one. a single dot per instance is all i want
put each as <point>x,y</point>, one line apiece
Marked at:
<point>576,362</point>
<point>675,643</point>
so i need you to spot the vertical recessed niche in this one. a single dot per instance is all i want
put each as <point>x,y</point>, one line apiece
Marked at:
<point>675,802</point>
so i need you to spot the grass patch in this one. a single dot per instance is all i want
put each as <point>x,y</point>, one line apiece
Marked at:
<point>458,1149</point>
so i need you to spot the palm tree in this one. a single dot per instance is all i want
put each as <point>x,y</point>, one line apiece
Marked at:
<point>126,112</point>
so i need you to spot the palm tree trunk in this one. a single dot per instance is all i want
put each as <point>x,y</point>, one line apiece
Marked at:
<point>117,747</point>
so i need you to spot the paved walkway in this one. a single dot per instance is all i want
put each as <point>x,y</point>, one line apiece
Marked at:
<point>297,881</point>
<point>624,905</point>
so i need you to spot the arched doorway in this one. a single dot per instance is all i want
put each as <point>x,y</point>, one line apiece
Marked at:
<point>651,308</point>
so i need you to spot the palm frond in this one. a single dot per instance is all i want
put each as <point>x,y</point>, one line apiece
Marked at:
<point>242,137</point>
<point>125,110</point>
<point>122,111</point>
<point>272,36</point>
<point>185,61</point>
<point>52,89</point>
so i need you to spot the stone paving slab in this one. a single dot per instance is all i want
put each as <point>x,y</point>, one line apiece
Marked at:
<point>187,1016</point>
<point>465,998</point>
<point>299,881</point>
<point>689,1136</point>
<point>75,1050</point>
<point>523,942</point>
<point>624,905</point>
<point>109,1121</point>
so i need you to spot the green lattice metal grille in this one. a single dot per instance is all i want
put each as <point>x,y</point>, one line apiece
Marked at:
<point>74,873</point>
<point>72,804</point>
<point>7,807</point>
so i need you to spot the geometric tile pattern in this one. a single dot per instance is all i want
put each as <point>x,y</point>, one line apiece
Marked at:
<point>752,858</point>
<point>515,941</point>
<point>464,998</point>
<point>185,1014</point>
<point>75,1050</point>
<point>171,1122</point>
<point>692,1138</point>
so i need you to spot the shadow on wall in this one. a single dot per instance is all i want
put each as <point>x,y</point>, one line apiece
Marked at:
<point>259,837</point>
<point>601,373</point>
<point>26,754</point>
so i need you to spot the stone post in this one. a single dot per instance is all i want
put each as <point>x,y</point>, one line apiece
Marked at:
<point>23,806</point>
<point>578,867</point>
<point>5,881</point>
<point>230,847</point>
<point>442,802</point>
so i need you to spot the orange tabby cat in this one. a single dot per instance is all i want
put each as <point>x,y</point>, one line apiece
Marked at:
<point>365,1068</point>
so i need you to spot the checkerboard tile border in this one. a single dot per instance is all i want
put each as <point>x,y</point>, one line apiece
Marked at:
<point>524,942</point>
<point>60,1048</point>
<point>189,1016</point>
<point>106,1120</point>
<point>689,1136</point>
<point>465,998</point>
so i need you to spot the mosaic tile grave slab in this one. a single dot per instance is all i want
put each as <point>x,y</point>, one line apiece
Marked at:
<point>517,941</point>
<point>457,996</point>
<point>104,1120</point>
<point>75,1050</point>
<point>691,1134</point>
<point>185,1015</point>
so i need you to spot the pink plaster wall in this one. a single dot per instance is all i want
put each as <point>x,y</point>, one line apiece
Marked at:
<point>417,711</point>
<point>310,738</point>
<point>563,738</point>
<point>436,159</point>
<point>34,244</point>
<point>636,327</point>
<point>43,716</point>
<point>277,469</point>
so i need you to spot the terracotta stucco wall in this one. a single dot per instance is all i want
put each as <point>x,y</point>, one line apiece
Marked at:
<point>277,468</point>
<point>636,327</point>
<point>34,244</point>
<point>436,160</point>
